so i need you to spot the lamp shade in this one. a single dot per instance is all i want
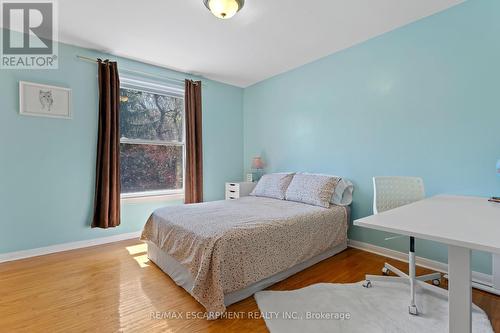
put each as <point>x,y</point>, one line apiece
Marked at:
<point>257,163</point>
<point>224,9</point>
<point>498,167</point>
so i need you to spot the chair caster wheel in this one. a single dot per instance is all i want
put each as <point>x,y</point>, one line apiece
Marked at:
<point>436,282</point>
<point>412,309</point>
<point>385,271</point>
<point>367,284</point>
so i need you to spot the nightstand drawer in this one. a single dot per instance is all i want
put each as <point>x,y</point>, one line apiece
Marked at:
<point>233,186</point>
<point>233,192</point>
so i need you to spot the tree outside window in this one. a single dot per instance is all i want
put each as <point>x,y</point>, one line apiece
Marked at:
<point>152,139</point>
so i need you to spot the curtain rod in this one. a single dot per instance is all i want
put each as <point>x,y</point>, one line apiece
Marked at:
<point>93,60</point>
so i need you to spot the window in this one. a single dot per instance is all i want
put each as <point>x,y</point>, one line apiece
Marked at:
<point>152,141</point>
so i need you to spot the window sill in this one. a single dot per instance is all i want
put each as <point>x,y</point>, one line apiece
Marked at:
<point>153,198</point>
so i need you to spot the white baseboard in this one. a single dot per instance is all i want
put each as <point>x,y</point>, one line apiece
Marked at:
<point>10,256</point>
<point>479,280</point>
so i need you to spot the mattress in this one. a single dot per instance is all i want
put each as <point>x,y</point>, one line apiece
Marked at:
<point>228,246</point>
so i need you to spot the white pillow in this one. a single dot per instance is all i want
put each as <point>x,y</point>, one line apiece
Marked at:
<point>273,185</point>
<point>343,191</point>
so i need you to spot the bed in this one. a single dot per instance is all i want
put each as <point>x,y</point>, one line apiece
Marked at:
<point>224,251</point>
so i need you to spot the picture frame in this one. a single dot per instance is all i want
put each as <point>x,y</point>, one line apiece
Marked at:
<point>42,100</point>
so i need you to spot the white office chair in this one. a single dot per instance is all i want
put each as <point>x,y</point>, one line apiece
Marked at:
<point>390,193</point>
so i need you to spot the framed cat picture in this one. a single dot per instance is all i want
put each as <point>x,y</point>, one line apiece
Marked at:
<point>44,101</point>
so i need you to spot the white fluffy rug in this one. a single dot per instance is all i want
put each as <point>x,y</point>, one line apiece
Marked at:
<point>330,307</point>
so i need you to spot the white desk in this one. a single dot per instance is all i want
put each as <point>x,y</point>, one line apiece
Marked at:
<point>462,223</point>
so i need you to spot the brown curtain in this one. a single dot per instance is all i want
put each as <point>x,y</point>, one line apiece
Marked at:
<point>194,151</point>
<point>107,185</point>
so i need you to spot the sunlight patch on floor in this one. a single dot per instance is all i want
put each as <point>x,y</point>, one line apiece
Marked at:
<point>142,260</point>
<point>136,249</point>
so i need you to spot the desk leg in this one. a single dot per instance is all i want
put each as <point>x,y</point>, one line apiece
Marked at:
<point>459,289</point>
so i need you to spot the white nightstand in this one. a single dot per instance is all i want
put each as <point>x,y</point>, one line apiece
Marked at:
<point>238,189</point>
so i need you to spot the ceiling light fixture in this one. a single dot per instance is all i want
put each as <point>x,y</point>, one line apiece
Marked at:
<point>224,9</point>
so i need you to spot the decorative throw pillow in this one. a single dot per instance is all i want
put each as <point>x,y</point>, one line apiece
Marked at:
<point>273,185</point>
<point>312,189</point>
<point>342,196</point>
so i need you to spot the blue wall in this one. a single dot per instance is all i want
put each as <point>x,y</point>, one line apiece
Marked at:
<point>47,166</point>
<point>421,100</point>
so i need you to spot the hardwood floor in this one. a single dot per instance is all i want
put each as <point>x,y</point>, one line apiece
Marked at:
<point>114,288</point>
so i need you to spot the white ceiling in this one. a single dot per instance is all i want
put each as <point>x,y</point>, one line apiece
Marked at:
<point>266,38</point>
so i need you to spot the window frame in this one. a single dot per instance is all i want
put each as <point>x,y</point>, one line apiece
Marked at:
<point>164,90</point>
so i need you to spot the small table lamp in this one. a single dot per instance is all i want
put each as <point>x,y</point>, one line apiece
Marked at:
<point>257,168</point>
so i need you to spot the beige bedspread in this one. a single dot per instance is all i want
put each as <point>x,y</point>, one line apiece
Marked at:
<point>228,245</point>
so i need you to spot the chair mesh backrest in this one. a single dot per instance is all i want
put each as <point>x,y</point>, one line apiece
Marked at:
<point>393,192</point>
